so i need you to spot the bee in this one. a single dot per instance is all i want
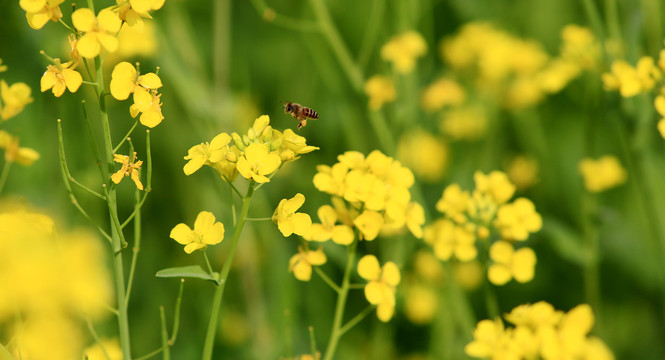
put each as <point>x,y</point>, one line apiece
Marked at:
<point>300,113</point>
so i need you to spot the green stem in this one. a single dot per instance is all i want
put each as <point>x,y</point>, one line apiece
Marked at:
<point>596,22</point>
<point>312,341</point>
<point>4,175</point>
<point>124,138</point>
<point>165,336</point>
<point>491,302</point>
<point>341,303</point>
<point>205,257</point>
<point>223,275</point>
<point>356,319</point>
<point>91,328</point>
<point>151,354</point>
<point>327,279</point>
<point>371,32</point>
<point>176,313</point>
<point>259,219</point>
<point>137,244</point>
<point>382,131</point>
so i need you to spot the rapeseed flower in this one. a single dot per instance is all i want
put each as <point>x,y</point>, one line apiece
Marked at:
<point>59,77</point>
<point>403,50</point>
<point>15,153</point>
<point>495,184</point>
<point>382,281</point>
<point>99,31</point>
<point>421,304</point>
<point>288,220</point>
<point>256,162</point>
<point>380,90</point>
<point>130,168</point>
<point>441,93</point>
<point>517,219</point>
<point>509,263</point>
<point>133,11</point>
<point>99,350</point>
<point>328,229</point>
<point>629,80</point>
<point>39,12</point>
<point>207,153</point>
<point>292,145</point>
<point>602,174</point>
<point>125,80</point>
<point>150,108</point>
<point>206,232</point>
<point>448,239</point>
<point>523,172</point>
<point>301,263</point>
<point>467,122</point>
<point>369,223</point>
<point>14,99</point>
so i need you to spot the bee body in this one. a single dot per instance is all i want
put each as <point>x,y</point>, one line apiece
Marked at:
<point>300,113</point>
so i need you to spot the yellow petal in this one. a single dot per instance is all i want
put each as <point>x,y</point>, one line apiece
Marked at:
<point>135,178</point>
<point>301,223</point>
<point>73,79</point>
<point>214,234</point>
<point>342,234</point>
<point>286,227</point>
<point>327,215</point>
<point>498,274</point>
<point>109,42</point>
<point>151,118</point>
<point>369,268</point>
<point>32,6</point>
<point>385,311</point>
<point>182,234</point>
<point>270,164</point>
<point>191,247</point>
<point>47,81</point>
<point>204,220</point>
<point>374,292</point>
<point>317,257</point>
<point>302,271</point>
<point>88,46</point>
<point>369,223</point>
<point>83,19</point>
<point>501,251</point>
<point>150,81</point>
<point>117,176</point>
<point>390,274</point>
<point>109,21</point>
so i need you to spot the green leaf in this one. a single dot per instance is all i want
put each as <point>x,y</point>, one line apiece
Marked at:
<point>191,271</point>
<point>564,240</point>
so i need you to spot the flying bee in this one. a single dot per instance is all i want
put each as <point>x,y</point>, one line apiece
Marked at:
<point>300,113</point>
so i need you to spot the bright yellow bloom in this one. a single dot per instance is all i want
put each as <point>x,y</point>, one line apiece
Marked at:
<point>301,263</point>
<point>490,340</point>
<point>288,220</point>
<point>454,203</point>
<point>523,171</point>
<point>207,153</point>
<point>257,162</point>
<point>133,11</point>
<point>326,230</point>
<point>415,219</point>
<point>449,239</point>
<point>129,168</point>
<point>293,145</point>
<point>464,123</point>
<point>60,76</point>
<point>39,12</point>
<point>206,232</point>
<point>661,127</point>
<point>124,81</point>
<point>441,93</point>
<point>382,281</point>
<point>150,108</point>
<point>403,50</point>
<point>496,185</point>
<point>516,220</point>
<point>602,174</point>
<point>369,223</point>
<point>629,80</point>
<point>99,31</point>
<point>380,90</point>
<point>509,264</point>
<point>14,99</point>
<point>412,149</point>
<point>540,314</point>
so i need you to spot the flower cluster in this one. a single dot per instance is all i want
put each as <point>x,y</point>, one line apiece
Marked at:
<point>126,80</point>
<point>255,155</point>
<point>470,217</point>
<point>539,331</point>
<point>602,174</point>
<point>381,284</point>
<point>403,50</point>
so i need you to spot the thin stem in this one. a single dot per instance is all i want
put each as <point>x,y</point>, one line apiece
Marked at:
<point>223,275</point>
<point>312,341</point>
<point>91,328</point>
<point>85,188</point>
<point>269,15</point>
<point>68,28</point>
<point>103,172</point>
<point>5,174</point>
<point>356,319</point>
<point>124,138</point>
<point>357,286</point>
<point>137,244</point>
<point>371,32</point>
<point>341,302</point>
<point>491,302</point>
<point>165,336</point>
<point>596,22</point>
<point>233,203</point>
<point>228,181</point>
<point>259,219</point>
<point>205,257</point>
<point>327,279</point>
<point>269,177</point>
<point>151,354</point>
<point>337,45</point>
<point>148,186</point>
<point>176,314</point>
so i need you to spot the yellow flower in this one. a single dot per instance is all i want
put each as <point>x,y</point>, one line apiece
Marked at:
<point>415,219</point>
<point>99,31</point>
<point>293,145</point>
<point>382,281</point>
<point>326,230</point>
<point>39,12</point>
<point>629,80</point>
<point>129,168</point>
<point>412,149</point>
<point>421,304</point>
<point>490,340</point>
<point>443,92</point>
<point>133,11</point>
<point>14,98</point>
<point>124,81</point>
<point>257,162</point>
<point>602,174</point>
<point>14,153</point>
<point>661,127</point>
<point>369,223</point>
<point>301,263</point>
<point>150,108</point>
<point>60,76</point>
<point>206,232</point>
<point>509,263</point>
<point>538,315</point>
<point>207,153</point>
<point>464,123</point>
<point>516,220</point>
<point>496,185</point>
<point>449,239</point>
<point>454,203</point>
<point>380,90</point>
<point>580,46</point>
<point>403,50</point>
<point>288,220</point>
<point>523,171</point>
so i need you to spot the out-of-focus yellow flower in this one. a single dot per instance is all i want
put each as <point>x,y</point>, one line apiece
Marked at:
<point>454,203</point>
<point>51,336</point>
<point>133,11</point>
<point>257,162</point>
<point>14,99</point>
<point>288,220</point>
<point>39,12</point>
<point>380,290</point>
<point>580,46</point>
<point>516,220</point>
<point>556,75</point>
<point>602,174</point>
<point>301,263</point>
<point>464,123</point>
<point>150,108</point>
<point>412,148</point>
<point>369,223</point>
<point>125,81</point>
<point>403,50</point>
<point>661,127</point>
<point>509,264</point>
<point>523,171</point>
<point>206,232</point>
<point>496,185</point>
<point>449,239</point>
<point>490,340</point>
<point>60,76</point>
<point>380,90</point>
<point>136,41</point>
<point>99,31</point>
<point>629,80</point>
<point>129,168</point>
<point>415,219</point>
<point>106,346</point>
<point>293,145</point>
<point>428,267</point>
<point>540,314</point>
<point>341,234</point>
<point>469,275</point>
<point>421,304</point>
<point>442,92</point>
<point>15,153</point>
<point>207,153</point>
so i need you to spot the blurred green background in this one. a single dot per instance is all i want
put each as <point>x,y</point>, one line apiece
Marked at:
<point>222,65</point>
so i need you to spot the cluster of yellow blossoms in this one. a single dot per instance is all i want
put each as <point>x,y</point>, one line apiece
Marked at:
<point>477,216</point>
<point>51,281</point>
<point>645,77</point>
<point>126,80</point>
<point>539,331</point>
<point>602,174</point>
